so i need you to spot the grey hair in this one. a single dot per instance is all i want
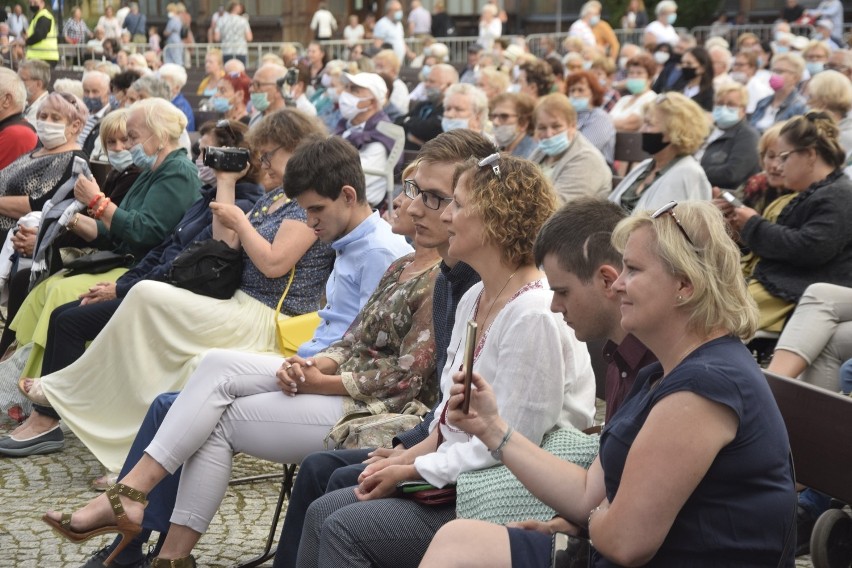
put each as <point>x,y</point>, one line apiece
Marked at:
<point>477,99</point>
<point>13,85</point>
<point>152,86</point>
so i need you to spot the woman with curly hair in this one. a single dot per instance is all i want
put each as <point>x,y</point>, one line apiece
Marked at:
<point>497,209</point>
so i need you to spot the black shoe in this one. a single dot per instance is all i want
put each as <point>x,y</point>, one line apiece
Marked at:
<point>804,527</point>
<point>97,560</point>
<point>51,441</point>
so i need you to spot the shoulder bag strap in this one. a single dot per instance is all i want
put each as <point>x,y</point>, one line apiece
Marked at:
<point>284,295</point>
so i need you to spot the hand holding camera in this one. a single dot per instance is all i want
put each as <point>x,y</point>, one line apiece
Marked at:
<point>226,159</point>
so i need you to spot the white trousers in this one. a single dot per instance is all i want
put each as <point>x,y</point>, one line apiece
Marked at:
<point>232,404</point>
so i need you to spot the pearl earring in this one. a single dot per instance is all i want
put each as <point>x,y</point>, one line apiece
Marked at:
<point>680,298</point>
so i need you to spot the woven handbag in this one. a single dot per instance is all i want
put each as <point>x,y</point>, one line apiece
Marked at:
<point>290,333</point>
<point>495,494</point>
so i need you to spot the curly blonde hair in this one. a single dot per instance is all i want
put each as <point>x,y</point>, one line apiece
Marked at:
<point>682,120</point>
<point>513,206</point>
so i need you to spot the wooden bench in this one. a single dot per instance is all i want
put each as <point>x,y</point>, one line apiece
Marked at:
<point>819,425</point>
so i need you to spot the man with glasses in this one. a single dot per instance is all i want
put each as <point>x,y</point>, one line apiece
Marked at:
<point>36,77</point>
<point>841,61</point>
<point>430,189</point>
<point>423,122</point>
<point>266,97</point>
<point>96,99</point>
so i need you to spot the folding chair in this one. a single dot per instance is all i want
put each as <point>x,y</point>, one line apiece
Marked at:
<point>398,134</point>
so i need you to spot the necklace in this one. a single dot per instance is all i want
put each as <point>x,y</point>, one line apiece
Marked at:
<point>497,297</point>
<point>278,195</point>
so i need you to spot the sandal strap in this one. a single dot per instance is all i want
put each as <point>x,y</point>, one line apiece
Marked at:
<point>185,562</point>
<point>121,489</point>
<point>65,521</point>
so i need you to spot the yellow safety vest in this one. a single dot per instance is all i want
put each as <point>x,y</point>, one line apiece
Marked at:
<point>48,48</point>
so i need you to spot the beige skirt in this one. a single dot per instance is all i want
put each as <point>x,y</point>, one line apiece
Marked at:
<point>151,345</point>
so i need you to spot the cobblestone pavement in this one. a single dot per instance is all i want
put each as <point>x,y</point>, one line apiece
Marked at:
<point>31,486</point>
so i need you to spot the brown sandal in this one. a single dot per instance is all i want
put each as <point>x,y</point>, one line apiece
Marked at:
<point>185,562</point>
<point>122,525</point>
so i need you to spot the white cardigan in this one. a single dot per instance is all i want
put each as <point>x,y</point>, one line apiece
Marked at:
<point>684,181</point>
<point>541,374</point>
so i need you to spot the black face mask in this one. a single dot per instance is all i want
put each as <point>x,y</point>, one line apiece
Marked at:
<point>34,8</point>
<point>688,73</point>
<point>652,142</point>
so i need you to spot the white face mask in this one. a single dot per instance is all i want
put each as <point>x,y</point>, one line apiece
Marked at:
<point>51,134</point>
<point>505,134</point>
<point>348,105</point>
<point>206,174</point>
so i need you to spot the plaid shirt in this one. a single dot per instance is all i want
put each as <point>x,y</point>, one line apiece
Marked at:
<point>610,98</point>
<point>77,32</point>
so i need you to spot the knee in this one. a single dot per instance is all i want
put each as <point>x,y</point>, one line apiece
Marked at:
<point>820,292</point>
<point>344,477</point>
<point>160,407</point>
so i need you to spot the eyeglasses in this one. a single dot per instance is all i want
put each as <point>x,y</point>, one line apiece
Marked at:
<point>669,208</point>
<point>265,158</point>
<point>502,117</point>
<point>494,161</point>
<point>430,200</point>
<point>837,67</point>
<point>782,156</point>
<point>257,85</point>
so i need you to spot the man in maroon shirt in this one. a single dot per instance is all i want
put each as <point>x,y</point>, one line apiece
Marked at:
<point>17,136</point>
<point>574,249</point>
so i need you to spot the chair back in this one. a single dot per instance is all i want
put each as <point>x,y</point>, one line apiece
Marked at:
<point>628,147</point>
<point>818,425</point>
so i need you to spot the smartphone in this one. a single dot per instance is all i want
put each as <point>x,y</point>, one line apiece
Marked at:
<point>731,198</point>
<point>469,347</point>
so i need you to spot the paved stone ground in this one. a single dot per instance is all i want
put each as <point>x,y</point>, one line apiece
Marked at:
<point>31,486</point>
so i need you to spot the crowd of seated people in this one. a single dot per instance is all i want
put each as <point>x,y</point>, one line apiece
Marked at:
<point>495,145</point>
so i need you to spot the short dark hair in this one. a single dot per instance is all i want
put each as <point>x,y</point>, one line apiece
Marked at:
<point>456,146</point>
<point>325,164</point>
<point>123,80</point>
<point>579,235</point>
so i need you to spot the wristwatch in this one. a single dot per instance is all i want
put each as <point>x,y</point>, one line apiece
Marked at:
<point>497,453</point>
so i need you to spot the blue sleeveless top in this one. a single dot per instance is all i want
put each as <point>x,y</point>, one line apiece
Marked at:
<point>741,512</point>
<point>312,270</point>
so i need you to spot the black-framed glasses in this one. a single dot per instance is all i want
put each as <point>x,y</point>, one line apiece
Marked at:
<point>266,157</point>
<point>502,116</point>
<point>430,200</point>
<point>492,161</point>
<point>669,208</point>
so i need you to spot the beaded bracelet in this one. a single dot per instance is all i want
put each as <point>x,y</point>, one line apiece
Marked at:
<point>102,208</point>
<point>95,200</point>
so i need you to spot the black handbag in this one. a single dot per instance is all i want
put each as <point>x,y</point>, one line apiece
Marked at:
<point>97,262</point>
<point>208,267</point>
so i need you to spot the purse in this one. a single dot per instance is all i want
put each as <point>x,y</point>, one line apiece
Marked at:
<point>97,262</point>
<point>422,492</point>
<point>209,267</point>
<point>290,333</point>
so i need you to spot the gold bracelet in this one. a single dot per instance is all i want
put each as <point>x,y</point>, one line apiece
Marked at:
<point>73,224</point>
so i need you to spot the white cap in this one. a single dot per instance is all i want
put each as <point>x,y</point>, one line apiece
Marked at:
<point>825,23</point>
<point>371,81</point>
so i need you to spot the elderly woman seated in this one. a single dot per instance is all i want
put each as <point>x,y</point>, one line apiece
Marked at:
<point>787,69</point>
<point>674,128</point>
<point>586,95</point>
<point>731,157</point>
<point>511,117</point>
<point>831,92</point>
<point>573,165</point>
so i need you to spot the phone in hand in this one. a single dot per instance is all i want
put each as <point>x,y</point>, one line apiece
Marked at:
<point>732,199</point>
<point>469,347</point>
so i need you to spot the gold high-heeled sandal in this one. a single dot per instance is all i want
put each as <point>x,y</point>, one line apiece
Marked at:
<point>122,525</point>
<point>185,562</point>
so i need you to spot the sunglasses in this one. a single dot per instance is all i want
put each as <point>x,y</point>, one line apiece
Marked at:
<point>669,208</point>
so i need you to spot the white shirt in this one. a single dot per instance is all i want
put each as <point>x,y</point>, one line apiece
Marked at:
<point>538,390</point>
<point>353,34</point>
<point>304,105</point>
<point>631,104</point>
<point>583,30</point>
<point>664,33</point>
<point>489,32</point>
<point>421,19</point>
<point>17,24</point>
<point>399,97</point>
<point>323,23</point>
<point>392,33</point>
<point>373,157</point>
<point>757,89</point>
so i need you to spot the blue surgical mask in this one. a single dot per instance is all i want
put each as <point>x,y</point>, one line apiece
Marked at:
<point>424,71</point>
<point>672,19</point>
<point>779,49</point>
<point>120,161</point>
<point>113,102</point>
<point>433,94</point>
<point>142,160</point>
<point>815,67</point>
<point>93,104</point>
<point>260,101</point>
<point>554,145</point>
<point>587,65</point>
<point>594,20</point>
<point>579,103</point>
<point>636,85</point>
<point>220,104</point>
<point>448,124</point>
<point>725,116</point>
<point>397,16</point>
<point>514,88</point>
